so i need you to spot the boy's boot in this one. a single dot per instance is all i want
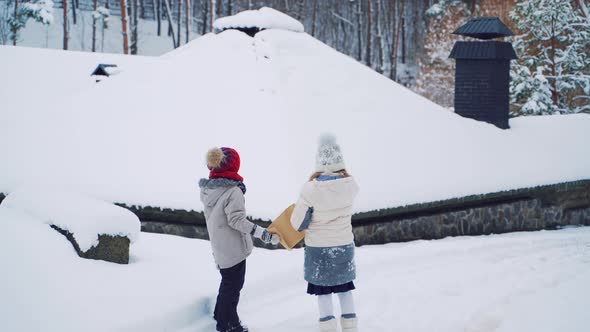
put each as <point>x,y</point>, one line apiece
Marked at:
<point>349,324</point>
<point>328,325</point>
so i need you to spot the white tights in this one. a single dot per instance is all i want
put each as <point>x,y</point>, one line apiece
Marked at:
<point>326,307</point>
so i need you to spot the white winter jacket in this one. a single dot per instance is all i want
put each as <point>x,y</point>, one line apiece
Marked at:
<point>332,211</point>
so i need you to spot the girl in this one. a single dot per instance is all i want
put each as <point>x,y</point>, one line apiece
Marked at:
<point>324,210</point>
<point>229,231</point>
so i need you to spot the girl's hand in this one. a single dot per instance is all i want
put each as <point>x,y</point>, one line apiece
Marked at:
<point>265,236</point>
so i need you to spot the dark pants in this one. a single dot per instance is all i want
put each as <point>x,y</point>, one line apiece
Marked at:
<point>226,308</point>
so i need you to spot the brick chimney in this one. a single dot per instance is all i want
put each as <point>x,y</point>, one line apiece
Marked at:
<point>482,74</point>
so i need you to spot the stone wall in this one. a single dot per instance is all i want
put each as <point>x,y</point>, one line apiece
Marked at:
<point>544,207</point>
<point>529,209</point>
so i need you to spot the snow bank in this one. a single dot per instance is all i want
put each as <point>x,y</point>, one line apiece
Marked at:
<point>84,217</point>
<point>263,18</point>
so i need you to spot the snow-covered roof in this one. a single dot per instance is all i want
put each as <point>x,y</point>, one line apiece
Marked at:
<point>143,138</point>
<point>263,18</point>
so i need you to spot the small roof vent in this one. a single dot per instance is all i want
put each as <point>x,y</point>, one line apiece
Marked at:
<point>105,70</point>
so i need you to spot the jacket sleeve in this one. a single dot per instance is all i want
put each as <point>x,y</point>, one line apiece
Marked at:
<point>301,213</point>
<point>235,210</point>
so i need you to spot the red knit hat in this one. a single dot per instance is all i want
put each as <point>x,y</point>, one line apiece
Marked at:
<point>224,163</point>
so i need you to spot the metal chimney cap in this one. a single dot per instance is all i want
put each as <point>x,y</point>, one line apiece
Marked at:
<point>484,28</point>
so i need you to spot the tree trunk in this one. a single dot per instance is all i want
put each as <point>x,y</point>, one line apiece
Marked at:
<point>178,21</point>
<point>142,8</point>
<point>102,37</point>
<point>554,95</point>
<point>159,16</point>
<point>170,24</point>
<point>403,39</point>
<point>359,15</point>
<point>213,9</point>
<point>65,10</point>
<point>230,7</point>
<point>124,26</point>
<point>313,17</point>
<point>135,36</point>
<point>94,5</point>
<point>473,7</point>
<point>368,48</point>
<point>382,43</point>
<point>14,30</point>
<point>204,19</point>
<point>74,19</point>
<point>188,20</point>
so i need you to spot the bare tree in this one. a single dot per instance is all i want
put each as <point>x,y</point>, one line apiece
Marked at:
<point>159,16</point>
<point>65,11</point>
<point>313,17</point>
<point>213,9</point>
<point>188,20</point>
<point>124,26</point>
<point>178,21</point>
<point>134,34</point>
<point>369,42</point>
<point>204,18</point>
<point>74,19</point>
<point>170,24</point>
<point>400,6</point>
<point>359,28</point>
<point>94,6</point>
<point>14,29</point>
<point>229,8</point>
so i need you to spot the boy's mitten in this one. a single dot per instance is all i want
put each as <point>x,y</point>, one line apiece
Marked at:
<point>266,237</point>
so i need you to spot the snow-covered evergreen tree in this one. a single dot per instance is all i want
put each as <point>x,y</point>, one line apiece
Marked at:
<point>552,74</point>
<point>38,10</point>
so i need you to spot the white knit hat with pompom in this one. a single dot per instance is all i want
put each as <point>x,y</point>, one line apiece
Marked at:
<point>329,158</point>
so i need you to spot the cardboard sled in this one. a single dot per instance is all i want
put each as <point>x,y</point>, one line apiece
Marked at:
<point>282,226</point>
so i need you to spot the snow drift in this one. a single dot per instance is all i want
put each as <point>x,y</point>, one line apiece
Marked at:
<point>84,217</point>
<point>141,137</point>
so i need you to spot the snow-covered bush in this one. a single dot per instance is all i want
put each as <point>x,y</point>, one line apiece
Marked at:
<point>552,74</point>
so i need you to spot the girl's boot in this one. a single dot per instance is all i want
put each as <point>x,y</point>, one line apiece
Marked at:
<point>328,325</point>
<point>349,324</point>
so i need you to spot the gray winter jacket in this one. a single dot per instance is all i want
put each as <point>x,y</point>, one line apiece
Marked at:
<point>225,214</point>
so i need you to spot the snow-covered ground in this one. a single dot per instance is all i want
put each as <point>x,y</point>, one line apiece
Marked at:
<point>140,137</point>
<point>535,281</point>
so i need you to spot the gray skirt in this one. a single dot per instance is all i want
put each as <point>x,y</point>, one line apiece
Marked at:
<point>329,266</point>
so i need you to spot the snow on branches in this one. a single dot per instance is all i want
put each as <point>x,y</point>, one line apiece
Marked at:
<point>39,10</point>
<point>552,74</point>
